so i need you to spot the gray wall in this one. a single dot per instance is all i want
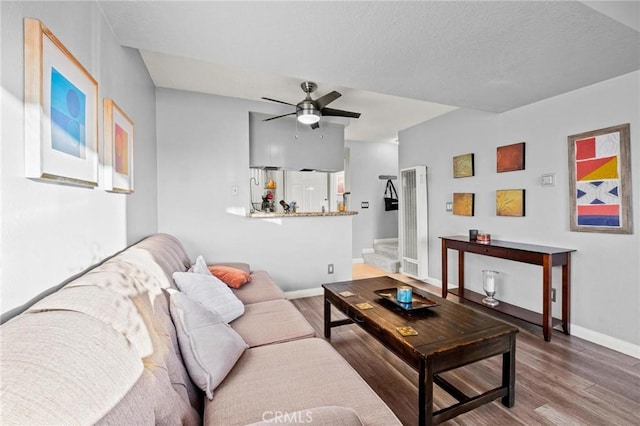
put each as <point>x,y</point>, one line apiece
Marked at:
<point>368,160</point>
<point>50,232</point>
<point>203,152</point>
<point>605,277</point>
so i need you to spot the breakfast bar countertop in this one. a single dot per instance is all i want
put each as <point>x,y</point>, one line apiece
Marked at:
<point>263,215</point>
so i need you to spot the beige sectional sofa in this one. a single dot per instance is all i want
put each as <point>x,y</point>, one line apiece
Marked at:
<point>104,350</point>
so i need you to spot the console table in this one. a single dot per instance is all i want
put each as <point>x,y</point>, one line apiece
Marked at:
<point>547,257</point>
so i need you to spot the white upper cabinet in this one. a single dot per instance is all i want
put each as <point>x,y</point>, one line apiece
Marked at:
<point>274,144</point>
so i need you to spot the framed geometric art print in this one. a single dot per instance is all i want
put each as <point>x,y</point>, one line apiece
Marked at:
<point>599,181</point>
<point>118,149</point>
<point>61,111</point>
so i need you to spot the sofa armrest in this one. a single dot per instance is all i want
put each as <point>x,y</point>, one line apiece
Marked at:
<point>318,416</point>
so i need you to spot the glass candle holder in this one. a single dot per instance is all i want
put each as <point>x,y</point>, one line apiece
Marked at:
<point>404,294</point>
<point>489,280</point>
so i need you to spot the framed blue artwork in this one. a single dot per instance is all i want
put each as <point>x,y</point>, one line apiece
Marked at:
<point>61,112</point>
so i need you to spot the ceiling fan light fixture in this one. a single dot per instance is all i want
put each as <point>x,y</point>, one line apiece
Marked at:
<point>308,117</point>
<point>310,111</point>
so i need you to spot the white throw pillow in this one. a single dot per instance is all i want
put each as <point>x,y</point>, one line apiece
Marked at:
<point>211,293</point>
<point>210,348</point>
<point>200,267</point>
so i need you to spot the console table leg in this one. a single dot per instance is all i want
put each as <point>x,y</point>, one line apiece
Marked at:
<point>566,296</point>
<point>461,273</point>
<point>327,319</point>
<point>547,321</point>
<point>445,270</point>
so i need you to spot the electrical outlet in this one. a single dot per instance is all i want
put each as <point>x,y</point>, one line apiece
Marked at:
<point>449,206</point>
<point>553,294</point>
<point>330,268</point>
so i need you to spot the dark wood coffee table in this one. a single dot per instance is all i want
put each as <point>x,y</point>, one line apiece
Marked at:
<point>449,336</point>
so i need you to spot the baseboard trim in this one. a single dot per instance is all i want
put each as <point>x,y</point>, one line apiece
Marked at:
<point>606,341</point>
<point>586,334</point>
<point>357,260</point>
<point>308,292</point>
<point>436,282</point>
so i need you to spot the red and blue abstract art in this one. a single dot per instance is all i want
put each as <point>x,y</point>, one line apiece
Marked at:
<point>597,174</point>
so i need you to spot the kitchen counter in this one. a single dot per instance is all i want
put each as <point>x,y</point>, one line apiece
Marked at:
<point>262,215</point>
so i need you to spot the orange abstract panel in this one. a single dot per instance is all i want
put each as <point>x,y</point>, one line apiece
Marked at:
<point>510,158</point>
<point>463,204</point>
<point>510,202</point>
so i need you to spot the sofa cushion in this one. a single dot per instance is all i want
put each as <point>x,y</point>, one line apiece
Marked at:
<point>273,321</point>
<point>260,289</point>
<point>210,348</point>
<point>310,369</point>
<point>212,293</point>
<point>108,306</point>
<point>234,278</point>
<point>63,367</point>
<point>150,402</point>
<point>166,359</point>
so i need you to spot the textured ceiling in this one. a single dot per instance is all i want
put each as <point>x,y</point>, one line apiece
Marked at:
<point>399,63</point>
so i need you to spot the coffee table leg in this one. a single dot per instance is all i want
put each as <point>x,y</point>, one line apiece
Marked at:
<point>509,374</point>
<point>327,319</point>
<point>425,393</point>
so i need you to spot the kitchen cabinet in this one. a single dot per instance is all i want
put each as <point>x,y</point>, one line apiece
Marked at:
<point>286,145</point>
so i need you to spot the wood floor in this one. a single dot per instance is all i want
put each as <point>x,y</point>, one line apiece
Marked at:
<point>567,381</point>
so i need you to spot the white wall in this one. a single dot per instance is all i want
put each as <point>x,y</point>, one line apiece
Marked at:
<point>605,269</point>
<point>50,232</point>
<point>368,160</point>
<point>203,151</point>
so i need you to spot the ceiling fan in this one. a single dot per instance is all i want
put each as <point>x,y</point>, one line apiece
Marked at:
<point>309,111</point>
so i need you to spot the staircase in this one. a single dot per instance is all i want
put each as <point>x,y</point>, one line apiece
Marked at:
<point>384,255</point>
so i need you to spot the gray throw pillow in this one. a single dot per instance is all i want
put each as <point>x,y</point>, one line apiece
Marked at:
<point>210,348</point>
<point>200,266</point>
<point>211,293</point>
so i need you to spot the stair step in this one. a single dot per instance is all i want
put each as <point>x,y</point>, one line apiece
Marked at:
<point>386,263</point>
<point>386,249</point>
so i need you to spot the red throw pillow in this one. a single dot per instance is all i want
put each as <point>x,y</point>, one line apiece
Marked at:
<point>233,277</point>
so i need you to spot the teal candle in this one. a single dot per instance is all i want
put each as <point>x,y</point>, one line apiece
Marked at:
<point>404,294</point>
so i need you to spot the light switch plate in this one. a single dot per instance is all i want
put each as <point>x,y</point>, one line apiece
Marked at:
<point>364,205</point>
<point>548,179</point>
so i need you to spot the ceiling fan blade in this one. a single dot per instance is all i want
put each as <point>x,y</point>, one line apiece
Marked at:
<point>278,116</point>
<point>275,100</point>
<point>339,113</point>
<point>325,100</point>
<point>315,125</point>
